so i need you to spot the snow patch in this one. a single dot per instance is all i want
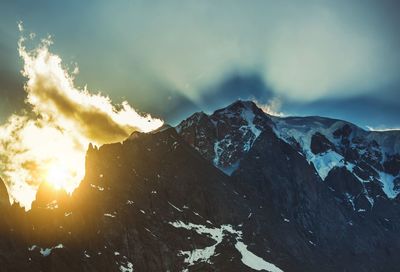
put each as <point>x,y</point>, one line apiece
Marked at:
<point>387,181</point>
<point>253,261</point>
<point>128,267</point>
<point>204,255</point>
<point>175,207</point>
<point>324,162</point>
<point>45,251</point>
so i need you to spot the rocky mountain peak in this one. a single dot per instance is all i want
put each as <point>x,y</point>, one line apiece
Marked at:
<point>238,107</point>
<point>226,135</point>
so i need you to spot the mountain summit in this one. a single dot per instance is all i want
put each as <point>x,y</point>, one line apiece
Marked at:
<point>226,135</point>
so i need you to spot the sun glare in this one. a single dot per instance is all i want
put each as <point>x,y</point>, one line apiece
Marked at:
<point>58,176</point>
<point>66,174</point>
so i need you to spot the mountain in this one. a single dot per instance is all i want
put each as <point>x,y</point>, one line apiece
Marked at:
<point>334,147</point>
<point>237,190</point>
<point>301,165</point>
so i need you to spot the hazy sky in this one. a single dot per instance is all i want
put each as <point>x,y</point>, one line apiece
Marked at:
<point>170,58</point>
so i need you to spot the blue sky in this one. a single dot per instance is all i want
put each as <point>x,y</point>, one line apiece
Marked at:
<point>332,58</point>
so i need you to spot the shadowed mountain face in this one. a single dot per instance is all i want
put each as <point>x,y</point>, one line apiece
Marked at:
<point>305,194</point>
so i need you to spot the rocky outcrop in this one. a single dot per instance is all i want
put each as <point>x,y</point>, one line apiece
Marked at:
<point>4,197</point>
<point>320,144</point>
<point>392,164</point>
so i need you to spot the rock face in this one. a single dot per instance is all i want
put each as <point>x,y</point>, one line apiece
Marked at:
<point>4,198</point>
<point>357,167</point>
<point>392,164</point>
<point>151,203</point>
<point>226,135</point>
<point>157,201</point>
<point>310,223</point>
<point>320,144</point>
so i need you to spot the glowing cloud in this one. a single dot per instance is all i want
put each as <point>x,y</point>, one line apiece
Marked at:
<point>48,143</point>
<point>272,107</point>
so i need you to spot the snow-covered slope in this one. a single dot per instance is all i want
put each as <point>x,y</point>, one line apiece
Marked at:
<point>365,154</point>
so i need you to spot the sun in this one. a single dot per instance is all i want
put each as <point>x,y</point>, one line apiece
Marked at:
<point>59,176</point>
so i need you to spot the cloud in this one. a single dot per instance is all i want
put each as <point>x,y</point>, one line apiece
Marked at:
<point>51,93</point>
<point>52,136</point>
<point>272,107</point>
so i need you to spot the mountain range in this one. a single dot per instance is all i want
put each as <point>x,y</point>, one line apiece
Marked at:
<point>235,190</point>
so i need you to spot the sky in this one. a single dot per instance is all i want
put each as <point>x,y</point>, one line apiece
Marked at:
<point>339,59</point>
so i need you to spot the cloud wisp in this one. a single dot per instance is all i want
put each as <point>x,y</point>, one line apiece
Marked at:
<point>48,142</point>
<point>272,107</point>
